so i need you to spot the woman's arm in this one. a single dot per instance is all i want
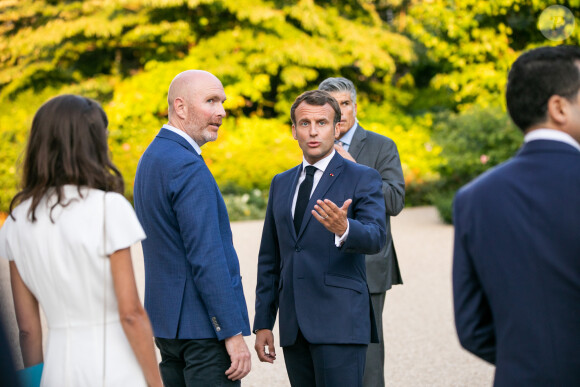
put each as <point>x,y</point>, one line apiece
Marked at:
<point>28,319</point>
<point>134,319</point>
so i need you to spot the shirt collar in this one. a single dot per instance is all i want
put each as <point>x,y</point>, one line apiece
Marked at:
<point>551,134</point>
<point>184,135</point>
<point>347,138</point>
<point>320,164</point>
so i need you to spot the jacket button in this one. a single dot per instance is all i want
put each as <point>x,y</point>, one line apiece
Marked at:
<point>218,329</point>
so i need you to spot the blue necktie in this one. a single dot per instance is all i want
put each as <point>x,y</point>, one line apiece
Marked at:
<point>303,197</point>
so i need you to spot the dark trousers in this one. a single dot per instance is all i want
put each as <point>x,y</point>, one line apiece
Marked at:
<point>375,364</point>
<point>201,362</point>
<point>324,365</point>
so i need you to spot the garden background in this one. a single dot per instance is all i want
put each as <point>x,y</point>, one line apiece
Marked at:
<point>430,75</point>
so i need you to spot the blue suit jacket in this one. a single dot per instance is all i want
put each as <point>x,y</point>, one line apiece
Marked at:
<point>516,268</point>
<point>193,288</point>
<point>315,285</point>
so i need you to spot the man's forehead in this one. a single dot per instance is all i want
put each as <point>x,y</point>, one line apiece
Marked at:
<point>208,88</point>
<point>341,95</point>
<point>314,110</point>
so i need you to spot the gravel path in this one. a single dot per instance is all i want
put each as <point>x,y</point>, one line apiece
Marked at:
<point>421,344</point>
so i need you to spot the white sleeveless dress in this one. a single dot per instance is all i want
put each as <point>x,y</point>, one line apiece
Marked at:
<point>64,266</point>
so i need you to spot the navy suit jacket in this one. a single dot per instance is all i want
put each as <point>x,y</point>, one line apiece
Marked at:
<point>317,286</point>
<point>516,267</point>
<point>193,287</point>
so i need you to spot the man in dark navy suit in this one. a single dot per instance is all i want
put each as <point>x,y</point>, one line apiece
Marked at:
<point>323,216</point>
<point>516,267</point>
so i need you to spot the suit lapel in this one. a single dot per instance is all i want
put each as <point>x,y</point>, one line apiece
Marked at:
<point>169,135</point>
<point>328,178</point>
<point>358,141</point>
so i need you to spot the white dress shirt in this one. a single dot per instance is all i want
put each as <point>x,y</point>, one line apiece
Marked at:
<point>321,166</point>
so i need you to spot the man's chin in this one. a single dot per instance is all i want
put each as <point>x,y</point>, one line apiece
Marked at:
<point>209,137</point>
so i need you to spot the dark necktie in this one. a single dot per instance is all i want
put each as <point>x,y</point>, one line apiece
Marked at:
<point>303,197</point>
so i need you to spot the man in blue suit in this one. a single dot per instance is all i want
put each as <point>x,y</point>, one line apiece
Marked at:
<point>516,267</point>
<point>323,216</point>
<point>193,288</point>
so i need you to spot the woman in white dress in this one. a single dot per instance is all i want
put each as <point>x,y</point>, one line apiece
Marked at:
<point>67,239</point>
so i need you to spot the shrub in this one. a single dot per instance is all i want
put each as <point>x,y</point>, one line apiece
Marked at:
<point>246,156</point>
<point>472,141</point>
<point>443,201</point>
<point>420,156</point>
<point>251,205</point>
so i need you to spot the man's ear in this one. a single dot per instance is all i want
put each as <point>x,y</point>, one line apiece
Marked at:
<point>337,130</point>
<point>558,110</point>
<point>180,108</point>
<point>294,132</point>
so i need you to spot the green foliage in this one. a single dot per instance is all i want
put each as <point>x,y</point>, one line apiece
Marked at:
<point>249,205</point>
<point>15,119</point>
<point>414,63</point>
<point>420,156</point>
<point>443,201</point>
<point>472,142</point>
<point>467,47</point>
<point>250,151</point>
<point>125,53</point>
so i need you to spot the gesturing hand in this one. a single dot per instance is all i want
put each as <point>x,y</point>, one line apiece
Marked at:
<point>240,357</point>
<point>331,216</point>
<point>265,338</point>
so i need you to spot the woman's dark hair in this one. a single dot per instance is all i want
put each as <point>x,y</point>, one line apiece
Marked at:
<point>67,145</point>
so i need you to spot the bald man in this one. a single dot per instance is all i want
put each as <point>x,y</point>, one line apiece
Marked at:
<point>193,287</point>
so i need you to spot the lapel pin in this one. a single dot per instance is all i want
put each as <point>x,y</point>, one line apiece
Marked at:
<point>331,174</point>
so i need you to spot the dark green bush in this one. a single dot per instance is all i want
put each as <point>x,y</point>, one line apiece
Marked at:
<point>246,206</point>
<point>473,141</point>
<point>443,201</point>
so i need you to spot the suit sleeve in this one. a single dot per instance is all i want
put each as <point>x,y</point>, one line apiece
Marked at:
<point>268,271</point>
<point>393,182</point>
<point>366,217</point>
<point>195,202</point>
<point>473,316</point>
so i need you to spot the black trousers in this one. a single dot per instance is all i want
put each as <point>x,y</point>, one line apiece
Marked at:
<point>188,363</point>
<point>324,365</point>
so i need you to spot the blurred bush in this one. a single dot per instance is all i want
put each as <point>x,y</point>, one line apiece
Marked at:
<point>251,205</point>
<point>420,67</point>
<point>472,142</point>
<point>420,155</point>
<point>443,201</point>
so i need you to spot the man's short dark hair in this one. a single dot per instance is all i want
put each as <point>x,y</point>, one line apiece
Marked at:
<point>536,76</point>
<point>316,98</point>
